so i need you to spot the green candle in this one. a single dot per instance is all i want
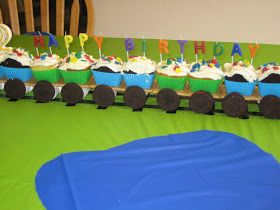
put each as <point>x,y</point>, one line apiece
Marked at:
<point>144,46</point>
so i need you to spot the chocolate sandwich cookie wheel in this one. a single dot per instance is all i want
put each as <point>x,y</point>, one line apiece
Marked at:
<point>72,93</point>
<point>202,102</point>
<point>103,95</point>
<point>43,91</point>
<point>270,107</point>
<point>15,89</point>
<point>168,100</point>
<point>234,105</point>
<point>134,97</point>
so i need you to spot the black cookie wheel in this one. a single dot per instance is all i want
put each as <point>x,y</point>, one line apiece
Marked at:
<point>168,100</point>
<point>202,102</point>
<point>234,105</point>
<point>72,93</point>
<point>134,97</point>
<point>15,89</point>
<point>270,107</point>
<point>103,96</point>
<point>43,91</point>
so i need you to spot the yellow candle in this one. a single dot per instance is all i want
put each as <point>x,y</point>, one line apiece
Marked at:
<point>83,37</point>
<point>68,39</point>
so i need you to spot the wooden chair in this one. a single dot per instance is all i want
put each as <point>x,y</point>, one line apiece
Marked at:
<point>45,16</point>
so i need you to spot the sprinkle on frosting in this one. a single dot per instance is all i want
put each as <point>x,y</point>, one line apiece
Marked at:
<point>210,69</point>
<point>112,62</point>
<point>266,69</point>
<point>140,65</point>
<point>20,55</point>
<point>243,68</point>
<point>77,61</point>
<point>173,67</point>
<point>46,59</point>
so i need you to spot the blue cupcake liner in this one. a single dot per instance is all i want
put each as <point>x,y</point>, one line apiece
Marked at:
<point>243,88</point>
<point>24,74</point>
<point>2,73</point>
<point>266,89</point>
<point>106,78</point>
<point>141,80</point>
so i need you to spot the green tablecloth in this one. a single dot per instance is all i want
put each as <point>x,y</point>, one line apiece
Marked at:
<point>32,134</point>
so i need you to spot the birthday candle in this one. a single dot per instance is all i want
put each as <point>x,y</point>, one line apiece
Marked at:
<point>253,50</point>
<point>218,50</point>
<point>144,47</point>
<point>99,40</point>
<point>52,42</point>
<point>129,45</point>
<point>197,47</point>
<point>235,49</point>
<point>83,38</point>
<point>38,41</point>
<point>67,40</point>
<point>163,48</point>
<point>182,43</point>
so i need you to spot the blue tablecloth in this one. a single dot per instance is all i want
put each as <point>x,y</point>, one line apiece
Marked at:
<point>203,170</point>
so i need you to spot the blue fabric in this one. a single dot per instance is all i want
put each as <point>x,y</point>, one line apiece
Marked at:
<point>205,170</point>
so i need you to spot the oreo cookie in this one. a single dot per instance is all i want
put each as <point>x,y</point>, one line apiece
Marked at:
<point>12,63</point>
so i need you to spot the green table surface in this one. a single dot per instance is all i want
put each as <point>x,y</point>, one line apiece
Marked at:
<point>32,133</point>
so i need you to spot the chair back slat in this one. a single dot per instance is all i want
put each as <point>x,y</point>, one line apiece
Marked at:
<point>60,7</point>
<point>45,15</point>
<point>1,19</point>
<point>29,18</point>
<point>13,10</point>
<point>90,17</point>
<point>74,19</point>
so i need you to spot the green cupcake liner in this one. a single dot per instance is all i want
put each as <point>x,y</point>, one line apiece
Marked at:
<point>174,83</point>
<point>210,86</point>
<point>52,75</point>
<point>79,77</point>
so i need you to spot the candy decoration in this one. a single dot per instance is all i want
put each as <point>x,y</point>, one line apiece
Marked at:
<point>5,35</point>
<point>253,50</point>
<point>67,40</point>
<point>218,50</point>
<point>99,40</point>
<point>129,45</point>
<point>144,46</point>
<point>236,49</point>
<point>182,47</point>
<point>163,48</point>
<point>83,38</point>
<point>197,47</point>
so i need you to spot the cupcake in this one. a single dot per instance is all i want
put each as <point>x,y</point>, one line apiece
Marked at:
<point>269,79</point>
<point>76,68</point>
<point>44,67</point>
<point>2,58</point>
<point>172,74</point>
<point>206,76</point>
<point>139,71</point>
<point>108,71</point>
<point>241,78</point>
<point>16,64</point>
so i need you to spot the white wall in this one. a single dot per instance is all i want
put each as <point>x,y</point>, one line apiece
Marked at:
<point>223,20</point>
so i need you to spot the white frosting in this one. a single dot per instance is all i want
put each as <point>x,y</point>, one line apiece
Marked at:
<point>20,55</point>
<point>2,55</point>
<point>173,69</point>
<point>207,72</point>
<point>73,63</point>
<point>115,64</point>
<point>248,72</point>
<point>46,60</point>
<point>269,69</point>
<point>140,65</point>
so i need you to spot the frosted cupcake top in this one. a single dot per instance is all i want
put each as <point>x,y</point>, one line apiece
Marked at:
<point>46,59</point>
<point>111,62</point>
<point>206,70</point>
<point>140,65</point>
<point>2,55</point>
<point>266,69</point>
<point>243,68</point>
<point>77,61</point>
<point>173,67</point>
<point>20,55</point>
